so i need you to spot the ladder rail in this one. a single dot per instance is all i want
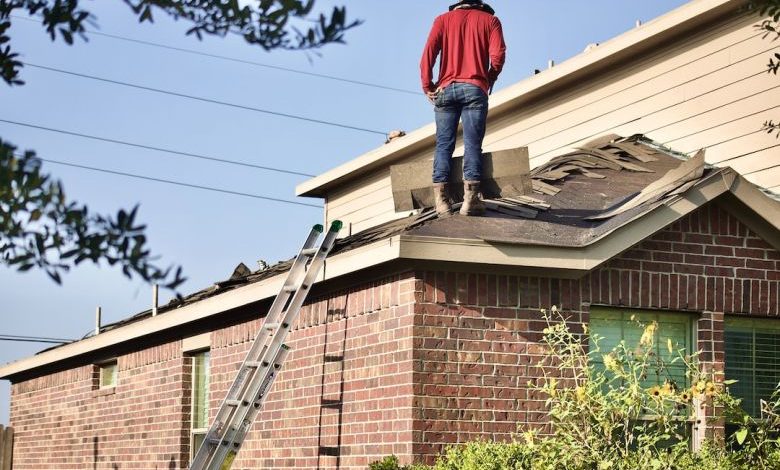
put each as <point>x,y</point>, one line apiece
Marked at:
<point>245,373</point>
<point>256,375</point>
<point>230,436</point>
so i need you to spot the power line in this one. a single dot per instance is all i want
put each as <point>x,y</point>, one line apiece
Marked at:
<point>177,183</point>
<point>241,61</point>
<point>206,100</point>
<point>34,339</point>
<point>159,149</point>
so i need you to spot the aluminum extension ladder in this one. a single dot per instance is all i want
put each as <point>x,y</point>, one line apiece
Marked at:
<point>266,356</point>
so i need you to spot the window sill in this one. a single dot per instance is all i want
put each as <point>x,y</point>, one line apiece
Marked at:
<point>103,392</point>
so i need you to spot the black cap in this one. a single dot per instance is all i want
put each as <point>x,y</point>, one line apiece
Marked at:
<point>476,4</point>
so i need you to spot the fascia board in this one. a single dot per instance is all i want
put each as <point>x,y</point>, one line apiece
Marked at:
<point>339,264</point>
<point>689,15</point>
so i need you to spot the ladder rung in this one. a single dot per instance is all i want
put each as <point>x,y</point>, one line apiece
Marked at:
<point>235,403</point>
<point>253,364</point>
<point>309,251</point>
<point>334,404</point>
<point>330,451</point>
<point>289,288</point>
<point>271,326</point>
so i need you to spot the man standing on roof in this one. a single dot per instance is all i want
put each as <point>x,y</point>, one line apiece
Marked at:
<point>471,42</point>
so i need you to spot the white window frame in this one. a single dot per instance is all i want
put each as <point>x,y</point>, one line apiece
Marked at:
<point>199,431</point>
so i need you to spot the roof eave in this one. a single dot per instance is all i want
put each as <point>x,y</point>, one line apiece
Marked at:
<point>435,249</point>
<point>335,266</point>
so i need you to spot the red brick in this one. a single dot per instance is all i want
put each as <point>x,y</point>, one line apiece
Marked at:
<point>760,264</point>
<point>688,248</point>
<point>664,291</point>
<point>688,269</point>
<point>751,274</point>
<point>718,271</point>
<point>492,293</point>
<point>750,253</point>
<point>729,241</point>
<point>719,250</point>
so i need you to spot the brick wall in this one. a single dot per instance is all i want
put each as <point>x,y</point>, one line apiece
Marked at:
<point>344,396</point>
<point>63,421</point>
<point>403,365</point>
<point>476,336</point>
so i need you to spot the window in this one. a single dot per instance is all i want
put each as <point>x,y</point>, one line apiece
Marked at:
<point>752,359</point>
<point>200,400</point>
<point>615,325</point>
<point>108,374</point>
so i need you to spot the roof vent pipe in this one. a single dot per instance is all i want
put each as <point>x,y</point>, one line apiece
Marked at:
<point>638,23</point>
<point>98,314</point>
<point>155,298</point>
<point>550,64</point>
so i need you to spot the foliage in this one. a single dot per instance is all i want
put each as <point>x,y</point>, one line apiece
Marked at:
<point>625,409</point>
<point>392,463</point>
<point>267,24</point>
<point>40,228</point>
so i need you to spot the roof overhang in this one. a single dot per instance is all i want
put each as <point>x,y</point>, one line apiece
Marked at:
<point>688,17</point>
<point>758,211</point>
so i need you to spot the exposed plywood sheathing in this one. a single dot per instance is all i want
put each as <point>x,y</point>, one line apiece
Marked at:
<point>506,174</point>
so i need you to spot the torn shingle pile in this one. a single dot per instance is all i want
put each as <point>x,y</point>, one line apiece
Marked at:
<point>592,160</point>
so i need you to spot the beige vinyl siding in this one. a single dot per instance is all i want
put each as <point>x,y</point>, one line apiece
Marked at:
<point>708,90</point>
<point>363,204</point>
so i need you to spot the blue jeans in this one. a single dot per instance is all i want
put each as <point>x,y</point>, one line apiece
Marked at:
<point>471,103</point>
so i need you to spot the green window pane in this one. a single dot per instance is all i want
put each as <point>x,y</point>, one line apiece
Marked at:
<point>753,360</point>
<point>616,325</point>
<point>200,389</point>
<point>108,375</point>
<point>197,440</point>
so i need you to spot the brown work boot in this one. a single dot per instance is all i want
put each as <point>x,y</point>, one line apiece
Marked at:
<point>472,204</point>
<point>441,199</point>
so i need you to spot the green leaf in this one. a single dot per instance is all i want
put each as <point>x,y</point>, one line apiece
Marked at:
<point>741,435</point>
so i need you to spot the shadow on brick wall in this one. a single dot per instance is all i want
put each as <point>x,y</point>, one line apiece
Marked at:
<point>332,394</point>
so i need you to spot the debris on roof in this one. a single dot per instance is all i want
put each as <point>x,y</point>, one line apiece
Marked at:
<point>240,271</point>
<point>674,182</point>
<point>394,135</point>
<point>577,198</point>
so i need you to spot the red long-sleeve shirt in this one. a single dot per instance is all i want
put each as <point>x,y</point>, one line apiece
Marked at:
<point>472,49</point>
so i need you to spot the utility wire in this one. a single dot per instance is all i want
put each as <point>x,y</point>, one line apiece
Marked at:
<point>177,183</point>
<point>159,149</point>
<point>34,339</point>
<point>206,100</point>
<point>240,61</point>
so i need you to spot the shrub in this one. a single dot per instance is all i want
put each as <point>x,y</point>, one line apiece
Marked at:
<point>624,409</point>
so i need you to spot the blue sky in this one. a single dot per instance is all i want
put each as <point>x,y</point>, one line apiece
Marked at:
<point>210,233</point>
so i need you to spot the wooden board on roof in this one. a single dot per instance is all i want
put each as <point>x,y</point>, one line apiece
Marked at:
<point>505,173</point>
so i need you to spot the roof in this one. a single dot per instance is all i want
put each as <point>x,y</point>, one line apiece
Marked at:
<point>646,37</point>
<point>560,230</point>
